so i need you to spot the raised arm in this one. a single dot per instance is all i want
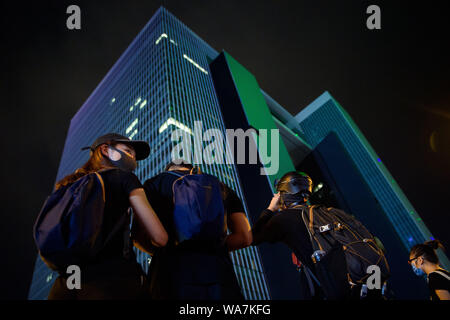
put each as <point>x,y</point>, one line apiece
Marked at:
<point>264,228</point>
<point>147,220</point>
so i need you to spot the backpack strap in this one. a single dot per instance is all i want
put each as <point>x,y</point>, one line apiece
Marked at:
<point>311,219</point>
<point>102,183</point>
<point>310,226</point>
<point>446,276</point>
<point>179,175</point>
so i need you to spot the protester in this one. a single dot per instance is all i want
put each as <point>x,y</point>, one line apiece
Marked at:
<point>323,239</point>
<point>114,272</point>
<point>424,261</point>
<point>282,222</point>
<point>193,269</point>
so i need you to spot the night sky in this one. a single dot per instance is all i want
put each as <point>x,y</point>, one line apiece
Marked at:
<point>394,82</point>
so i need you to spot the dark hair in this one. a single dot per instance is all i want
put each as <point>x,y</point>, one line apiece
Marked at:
<point>183,164</point>
<point>427,250</point>
<point>95,163</point>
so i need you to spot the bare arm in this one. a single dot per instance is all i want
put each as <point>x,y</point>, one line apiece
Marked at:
<point>443,294</point>
<point>140,238</point>
<point>241,233</point>
<point>147,218</point>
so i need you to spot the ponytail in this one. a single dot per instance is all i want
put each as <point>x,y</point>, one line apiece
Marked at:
<point>95,163</point>
<point>434,244</point>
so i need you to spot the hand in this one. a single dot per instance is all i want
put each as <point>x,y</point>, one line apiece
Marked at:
<point>274,203</point>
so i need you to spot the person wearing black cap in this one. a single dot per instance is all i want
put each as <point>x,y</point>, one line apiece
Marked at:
<point>115,274</point>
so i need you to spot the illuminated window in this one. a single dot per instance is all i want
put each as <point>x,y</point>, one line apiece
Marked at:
<point>195,64</point>
<point>131,108</point>
<point>137,101</point>
<point>162,36</point>
<point>143,104</point>
<point>176,123</point>
<point>49,277</point>
<point>132,126</point>
<point>133,134</point>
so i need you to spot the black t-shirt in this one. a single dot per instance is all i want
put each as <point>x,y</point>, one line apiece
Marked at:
<point>438,280</point>
<point>173,268</point>
<point>118,186</point>
<point>288,227</point>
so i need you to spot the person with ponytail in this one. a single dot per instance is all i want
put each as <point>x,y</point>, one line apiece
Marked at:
<point>424,261</point>
<point>114,272</point>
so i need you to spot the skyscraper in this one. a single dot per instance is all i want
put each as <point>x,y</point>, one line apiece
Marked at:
<point>169,78</point>
<point>324,116</point>
<point>160,83</point>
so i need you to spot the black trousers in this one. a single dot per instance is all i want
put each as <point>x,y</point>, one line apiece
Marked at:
<point>109,280</point>
<point>190,275</point>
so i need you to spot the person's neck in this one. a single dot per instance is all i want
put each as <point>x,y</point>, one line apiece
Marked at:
<point>430,267</point>
<point>179,169</point>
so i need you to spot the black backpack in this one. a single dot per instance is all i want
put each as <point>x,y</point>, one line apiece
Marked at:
<point>334,231</point>
<point>68,230</point>
<point>199,212</point>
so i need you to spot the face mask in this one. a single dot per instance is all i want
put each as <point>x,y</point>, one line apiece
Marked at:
<point>419,272</point>
<point>126,163</point>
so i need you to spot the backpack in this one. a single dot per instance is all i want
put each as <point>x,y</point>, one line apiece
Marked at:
<point>199,213</point>
<point>68,228</point>
<point>335,232</point>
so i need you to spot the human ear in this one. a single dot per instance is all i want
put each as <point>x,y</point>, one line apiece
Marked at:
<point>421,261</point>
<point>104,150</point>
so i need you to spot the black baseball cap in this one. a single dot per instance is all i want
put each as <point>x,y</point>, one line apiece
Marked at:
<point>141,148</point>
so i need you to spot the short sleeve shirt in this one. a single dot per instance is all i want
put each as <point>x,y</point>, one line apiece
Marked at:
<point>118,186</point>
<point>438,281</point>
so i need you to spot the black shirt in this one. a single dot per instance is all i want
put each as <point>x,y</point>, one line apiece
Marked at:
<point>438,281</point>
<point>173,268</point>
<point>286,226</point>
<point>118,186</point>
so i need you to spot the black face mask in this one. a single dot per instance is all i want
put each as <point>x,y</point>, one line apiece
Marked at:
<point>289,200</point>
<point>126,163</point>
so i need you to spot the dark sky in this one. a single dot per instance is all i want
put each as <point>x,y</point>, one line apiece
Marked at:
<point>394,82</point>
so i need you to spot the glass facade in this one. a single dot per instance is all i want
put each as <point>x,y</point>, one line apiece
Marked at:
<point>160,83</point>
<point>325,115</point>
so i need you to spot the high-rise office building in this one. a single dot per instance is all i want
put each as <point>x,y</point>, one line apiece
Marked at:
<point>168,79</point>
<point>324,116</point>
<point>160,83</point>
